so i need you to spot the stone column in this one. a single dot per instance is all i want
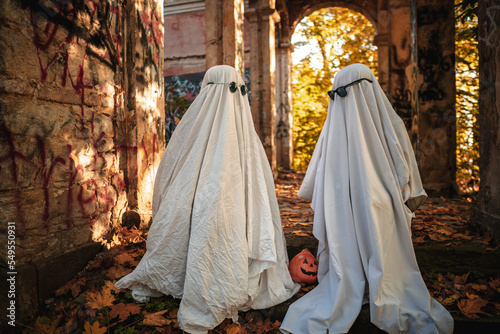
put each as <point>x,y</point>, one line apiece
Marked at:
<point>262,72</point>
<point>436,94</point>
<point>145,124</point>
<point>224,33</point>
<point>381,40</point>
<point>399,79</point>
<point>284,106</point>
<point>487,213</point>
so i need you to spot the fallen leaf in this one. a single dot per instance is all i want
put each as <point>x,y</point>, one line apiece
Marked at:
<point>478,287</point>
<point>489,249</point>
<point>234,329</point>
<point>123,311</point>
<point>46,325</point>
<point>117,272</point>
<point>98,300</point>
<point>157,319</point>
<point>472,307</point>
<point>124,258</point>
<point>94,328</point>
<point>75,286</point>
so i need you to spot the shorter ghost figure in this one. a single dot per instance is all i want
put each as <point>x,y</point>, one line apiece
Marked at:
<point>216,240</point>
<point>364,184</point>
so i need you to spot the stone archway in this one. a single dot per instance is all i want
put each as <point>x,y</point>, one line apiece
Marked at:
<point>415,70</point>
<point>415,40</point>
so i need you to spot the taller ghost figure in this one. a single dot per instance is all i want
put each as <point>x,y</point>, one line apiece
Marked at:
<point>364,184</point>
<point>216,240</point>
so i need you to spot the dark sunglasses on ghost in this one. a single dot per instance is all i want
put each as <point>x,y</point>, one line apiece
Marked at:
<point>233,87</point>
<point>341,91</point>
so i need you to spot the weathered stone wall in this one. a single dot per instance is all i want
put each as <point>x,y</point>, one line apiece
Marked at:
<point>81,130</point>
<point>487,213</point>
<point>436,95</point>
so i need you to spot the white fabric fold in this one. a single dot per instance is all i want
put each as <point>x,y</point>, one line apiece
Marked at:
<point>363,183</point>
<point>216,240</point>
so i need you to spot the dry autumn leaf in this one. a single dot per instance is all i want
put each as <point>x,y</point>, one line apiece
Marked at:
<point>98,300</point>
<point>124,258</point>
<point>234,329</point>
<point>46,325</point>
<point>75,286</point>
<point>94,328</point>
<point>117,272</point>
<point>123,311</point>
<point>157,320</point>
<point>472,307</point>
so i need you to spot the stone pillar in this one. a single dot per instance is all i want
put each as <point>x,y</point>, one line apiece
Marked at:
<point>263,73</point>
<point>284,107</point>
<point>381,40</point>
<point>145,129</point>
<point>399,79</point>
<point>487,213</point>
<point>436,94</point>
<point>224,33</point>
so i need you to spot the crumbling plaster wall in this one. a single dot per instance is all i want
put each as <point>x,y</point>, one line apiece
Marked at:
<point>81,130</point>
<point>487,213</point>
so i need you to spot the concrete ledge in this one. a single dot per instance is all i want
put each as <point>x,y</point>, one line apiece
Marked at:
<point>56,271</point>
<point>487,222</point>
<point>35,282</point>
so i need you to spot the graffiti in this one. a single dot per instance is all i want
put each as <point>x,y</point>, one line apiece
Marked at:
<point>81,180</point>
<point>103,44</point>
<point>431,94</point>
<point>402,97</point>
<point>46,174</point>
<point>11,158</point>
<point>428,15</point>
<point>180,92</point>
<point>431,60</point>
<point>152,42</point>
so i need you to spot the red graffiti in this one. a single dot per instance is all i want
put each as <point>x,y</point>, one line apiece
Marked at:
<point>11,158</point>
<point>154,31</point>
<point>87,191</point>
<point>46,174</point>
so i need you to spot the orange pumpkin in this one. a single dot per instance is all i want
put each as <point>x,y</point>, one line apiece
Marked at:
<point>304,267</point>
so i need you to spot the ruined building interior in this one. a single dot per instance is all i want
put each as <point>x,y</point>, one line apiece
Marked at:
<point>82,106</point>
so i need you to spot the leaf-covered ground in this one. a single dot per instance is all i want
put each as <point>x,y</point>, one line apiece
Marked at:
<point>91,304</point>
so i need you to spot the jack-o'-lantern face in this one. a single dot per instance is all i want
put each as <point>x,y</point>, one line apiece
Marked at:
<point>304,267</point>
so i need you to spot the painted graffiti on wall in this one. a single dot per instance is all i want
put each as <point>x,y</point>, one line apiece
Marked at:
<point>152,43</point>
<point>82,183</point>
<point>180,92</point>
<point>78,45</point>
<point>96,22</point>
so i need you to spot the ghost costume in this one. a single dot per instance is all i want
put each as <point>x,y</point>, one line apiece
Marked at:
<point>364,184</point>
<point>216,240</point>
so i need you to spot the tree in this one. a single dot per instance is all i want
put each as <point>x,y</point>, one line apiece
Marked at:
<point>467,82</point>
<point>334,38</point>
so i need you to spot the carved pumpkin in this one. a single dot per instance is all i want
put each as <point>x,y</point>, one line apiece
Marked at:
<point>304,267</point>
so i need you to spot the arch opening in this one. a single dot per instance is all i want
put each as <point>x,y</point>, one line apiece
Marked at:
<point>324,42</point>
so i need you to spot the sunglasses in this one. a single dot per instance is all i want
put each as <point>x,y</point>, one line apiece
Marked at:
<point>233,87</point>
<point>341,91</point>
